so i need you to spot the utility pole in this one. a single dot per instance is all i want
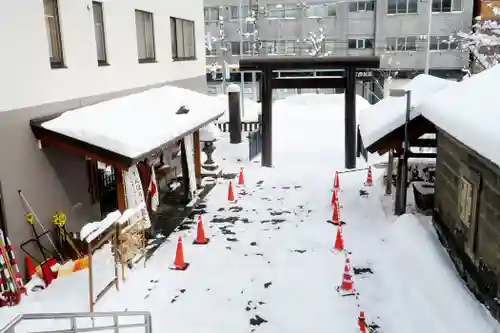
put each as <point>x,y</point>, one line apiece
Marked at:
<point>428,39</point>
<point>242,76</point>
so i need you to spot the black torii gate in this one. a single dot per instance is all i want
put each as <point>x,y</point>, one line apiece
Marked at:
<point>350,65</point>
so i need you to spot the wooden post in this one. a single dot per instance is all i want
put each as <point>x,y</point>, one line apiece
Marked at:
<point>390,167</point>
<point>197,157</point>
<point>120,190</point>
<point>185,170</point>
<point>91,282</point>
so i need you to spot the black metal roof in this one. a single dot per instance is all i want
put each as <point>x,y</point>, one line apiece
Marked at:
<point>271,63</point>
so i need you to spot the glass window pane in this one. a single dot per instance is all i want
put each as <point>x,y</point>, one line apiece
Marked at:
<point>178,38</point>
<point>434,43</point>
<point>352,43</point>
<point>446,6</point>
<point>401,44</point>
<point>401,4</point>
<point>353,6</point>
<point>412,6</point>
<point>457,5</point>
<point>234,12</point>
<point>150,43</point>
<point>436,6</point>
<point>189,45</point>
<point>173,40</point>
<point>370,5</point>
<point>369,43</point>
<point>411,43</point>
<point>443,43</point>
<point>235,48</point>
<point>391,7</point>
<point>391,44</point>
<point>361,6</point>
<point>332,10</point>
<point>291,11</point>
<point>141,34</point>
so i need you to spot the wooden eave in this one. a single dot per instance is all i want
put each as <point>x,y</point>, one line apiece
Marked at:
<point>297,63</point>
<point>417,127</point>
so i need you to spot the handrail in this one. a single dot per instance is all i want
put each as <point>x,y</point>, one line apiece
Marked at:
<point>147,324</point>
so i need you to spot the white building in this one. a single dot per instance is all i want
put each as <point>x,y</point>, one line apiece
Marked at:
<point>58,55</point>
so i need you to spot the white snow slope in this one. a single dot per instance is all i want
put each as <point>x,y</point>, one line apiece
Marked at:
<point>272,256</point>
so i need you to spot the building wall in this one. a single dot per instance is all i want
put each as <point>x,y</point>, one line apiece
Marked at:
<point>53,180</point>
<point>377,25</point>
<point>481,265</point>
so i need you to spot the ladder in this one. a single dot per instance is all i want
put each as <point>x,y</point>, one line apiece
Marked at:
<point>81,322</point>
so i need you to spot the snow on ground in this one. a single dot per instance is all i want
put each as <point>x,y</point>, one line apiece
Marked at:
<point>250,113</point>
<point>269,265</point>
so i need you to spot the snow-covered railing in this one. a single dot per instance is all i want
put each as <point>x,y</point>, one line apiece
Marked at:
<point>74,319</point>
<point>246,126</point>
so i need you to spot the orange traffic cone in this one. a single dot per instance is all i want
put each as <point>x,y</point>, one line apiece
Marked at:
<point>347,286</point>
<point>369,179</point>
<point>230,193</point>
<point>335,216</point>
<point>179,264</point>
<point>200,233</point>
<point>334,197</point>
<point>336,184</point>
<point>339,241</point>
<point>30,268</point>
<point>241,178</point>
<point>362,322</point>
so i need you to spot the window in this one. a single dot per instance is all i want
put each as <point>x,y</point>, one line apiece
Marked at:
<point>360,43</point>
<point>441,43</point>
<point>465,201</point>
<point>53,33</point>
<point>331,10</point>
<point>145,36</point>
<point>446,6</point>
<point>328,46</point>
<point>314,11</point>
<point>408,43</point>
<point>211,13</point>
<point>283,11</point>
<point>214,51</point>
<point>361,6</point>
<point>100,38</point>
<point>402,6</point>
<point>183,41</point>
<point>235,48</point>
<point>235,12</point>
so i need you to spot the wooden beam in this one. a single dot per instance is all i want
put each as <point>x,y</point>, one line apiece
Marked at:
<point>430,143</point>
<point>197,157</point>
<point>421,155</point>
<point>308,82</point>
<point>185,170</point>
<point>120,190</point>
<point>47,141</point>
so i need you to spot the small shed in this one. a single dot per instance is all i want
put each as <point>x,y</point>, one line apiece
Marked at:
<point>467,190</point>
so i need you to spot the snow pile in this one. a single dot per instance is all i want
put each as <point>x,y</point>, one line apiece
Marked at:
<point>92,230</point>
<point>210,132</point>
<point>468,111</point>
<point>251,111</point>
<point>424,280</point>
<point>388,114</point>
<point>138,123</point>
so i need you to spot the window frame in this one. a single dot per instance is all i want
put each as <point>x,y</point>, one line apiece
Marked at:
<point>363,42</point>
<point>452,7</point>
<point>60,61</point>
<point>438,41</point>
<point>473,180</point>
<point>407,7</point>
<point>208,8</point>
<point>354,7</point>
<point>174,34</point>
<point>239,10</point>
<point>146,59</point>
<point>396,42</point>
<point>100,62</point>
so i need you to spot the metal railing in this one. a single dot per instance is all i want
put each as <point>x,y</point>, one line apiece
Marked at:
<point>116,326</point>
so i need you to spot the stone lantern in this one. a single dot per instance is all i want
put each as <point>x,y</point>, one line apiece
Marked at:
<point>208,136</point>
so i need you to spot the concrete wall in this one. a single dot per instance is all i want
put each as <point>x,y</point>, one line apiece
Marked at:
<point>53,180</point>
<point>346,25</point>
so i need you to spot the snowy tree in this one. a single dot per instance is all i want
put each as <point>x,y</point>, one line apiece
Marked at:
<point>483,42</point>
<point>317,42</point>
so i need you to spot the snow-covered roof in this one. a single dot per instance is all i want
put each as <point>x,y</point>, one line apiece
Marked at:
<point>388,114</point>
<point>139,123</point>
<point>468,112</point>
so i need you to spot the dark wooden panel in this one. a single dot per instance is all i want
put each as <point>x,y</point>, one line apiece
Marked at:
<point>308,83</point>
<point>272,63</point>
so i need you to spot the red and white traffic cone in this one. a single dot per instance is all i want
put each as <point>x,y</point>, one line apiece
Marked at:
<point>347,286</point>
<point>369,179</point>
